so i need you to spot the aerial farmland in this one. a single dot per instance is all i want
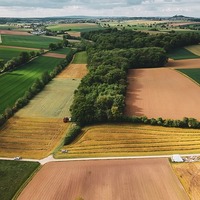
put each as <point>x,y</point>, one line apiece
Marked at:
<point>129,106</point>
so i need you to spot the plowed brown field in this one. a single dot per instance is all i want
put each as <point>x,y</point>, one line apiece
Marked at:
<point>139,179</point>
<point>7,32</point>
<point>74,71</point>
<point>161,92</point>
<point>55,55</point>
<point>187,63</point>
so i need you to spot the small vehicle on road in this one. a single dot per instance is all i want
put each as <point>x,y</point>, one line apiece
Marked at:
<point>18,158</point>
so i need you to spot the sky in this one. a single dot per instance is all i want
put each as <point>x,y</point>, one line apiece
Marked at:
<point>130,8</point>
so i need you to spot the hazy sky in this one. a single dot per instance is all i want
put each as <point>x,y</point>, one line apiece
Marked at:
<point>135,8</point>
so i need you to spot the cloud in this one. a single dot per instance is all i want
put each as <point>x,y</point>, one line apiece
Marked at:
<point>36,8</point>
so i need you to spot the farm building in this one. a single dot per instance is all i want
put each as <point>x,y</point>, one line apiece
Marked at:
<point>176,158</point>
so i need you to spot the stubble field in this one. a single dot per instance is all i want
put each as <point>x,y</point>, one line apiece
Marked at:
<point>132,140</point>
<point>139,179</point>
<point>31,137</point>
<point>189,176</point>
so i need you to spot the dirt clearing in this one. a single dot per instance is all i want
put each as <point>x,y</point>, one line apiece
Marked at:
<point>7,32</point>
<point>138,179</point>
<point>187,63</point>
<point>74,71</point>
<point>162,93</point>
<point>74,34</point>
<point>55,55</point>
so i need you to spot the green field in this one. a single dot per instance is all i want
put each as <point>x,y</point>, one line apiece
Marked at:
<point>13,174</point>
<point>8,53</point>
<point>80,58</point>
<point>132,140</point>
<point>28,41</point>
<point>182,53</point>
<point>82,27</point>
<point>14,84</point>
<point>192,73</point>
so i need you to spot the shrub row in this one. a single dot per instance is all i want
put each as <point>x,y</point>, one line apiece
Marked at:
<point>184,123</point>
<point>23,58</point>
<point>72,134</point>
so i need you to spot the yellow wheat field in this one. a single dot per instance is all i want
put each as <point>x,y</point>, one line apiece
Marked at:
<point>129,139</point>
<point>31,137</point>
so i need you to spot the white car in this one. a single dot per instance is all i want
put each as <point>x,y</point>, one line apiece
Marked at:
<point>17,158</point>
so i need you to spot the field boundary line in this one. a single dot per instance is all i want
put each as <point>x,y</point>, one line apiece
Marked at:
<point>21,188</point>
<point>187,76</point>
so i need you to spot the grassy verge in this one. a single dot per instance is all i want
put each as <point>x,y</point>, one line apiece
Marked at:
<point>182,53</point>
<point>13,175</point>
<point>80,58</point>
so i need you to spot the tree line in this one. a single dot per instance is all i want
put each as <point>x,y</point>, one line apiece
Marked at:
<point>124,39</point>
<point>15,62</point>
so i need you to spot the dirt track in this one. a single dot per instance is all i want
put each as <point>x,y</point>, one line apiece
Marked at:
<point>55,55</point>
<point>139,179</point>
<point>161,92</point>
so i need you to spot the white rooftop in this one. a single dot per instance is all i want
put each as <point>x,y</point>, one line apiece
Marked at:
<point>176,158</point>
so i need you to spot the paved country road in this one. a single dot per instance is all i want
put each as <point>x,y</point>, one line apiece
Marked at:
<point>52,159</point>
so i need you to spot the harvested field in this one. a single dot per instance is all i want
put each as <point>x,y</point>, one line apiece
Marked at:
<point>189,176</point>
<point>75,71</point>
<point>54,55</point>
<point>181,64</point>
<point>132,140</point>
<point>8,32</point>
<point>54,101</point>
<point>162,93</point>
<point>31,137</point>
<point>194,49</point>
<point>74,34</point>
<point>139,179</point>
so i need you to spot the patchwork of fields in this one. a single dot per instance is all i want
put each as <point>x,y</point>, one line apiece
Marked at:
<point>140,179</point>
<point>37,130</point>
